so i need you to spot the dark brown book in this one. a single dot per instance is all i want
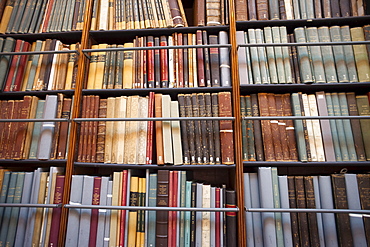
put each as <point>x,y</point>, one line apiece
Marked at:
<point>340,202</point>
<point>200,60</point>
<point>335,8</point>
<point>312,218</point>
<point>197,130</point>
<point>207,65</point>
<point>157,64</point>
<point>241,12</point>
<point>293,216</point>
<point>81,134</point>
<point>282,10</point>
<point>345,8</point>
<point>305,132</point>
<point>164,63</point>
<point>282,124</point>
<point>63,133</point>
<point>356,126</point>
<point>95,114</point>
<point>364,193</point>
<point>186,61</point>
<point>162,201</point>
<point>100,137</point>
<point>216,128</point>
<point>49,64</point>
<point>6,110</point>
<point>175,13</point>
<point>287,111</point>
<point>295,60</point>
<point>262,10</point>
<point>210,136</point>
<point>326,9</point>
<point>302,217</point>
<point>150,62</point>
<point>275,129</point>
<point>190,128</point>
<point>199,13</point>
<point>184,130</point>
<point>268,144</point>
<point>231,219</point>
<point>260,156</point>
<point>204,127</point>
<point>252,10</point>
<point>214,54</point>
<point>226,128</point>
<point>158,129</point>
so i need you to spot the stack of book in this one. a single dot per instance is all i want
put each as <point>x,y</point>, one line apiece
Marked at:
<point>162,68</point>
<point>37,71</point>
<point>304,64</point>
<point>31,226</point>
<point>306,139</point>
<point>38,16</point>
<point>266,189</point>
<point>294,9</point>
<point>136,14</point>
<point>146,227</point>
<point>34,140</point>
<point>160,142</point>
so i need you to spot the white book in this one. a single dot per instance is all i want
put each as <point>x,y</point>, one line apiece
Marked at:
<point>54,66</point>
<point>206,216</point>
<point>316,128</point>
<point>242,59</point>
<point>166,129</point>
<point>171,68</point>
<point>132,129</point>
<point>176,134</point>
<point>257,217</point>
<point>311,137</point>
<point>284,203</point>
<point>103,15</point>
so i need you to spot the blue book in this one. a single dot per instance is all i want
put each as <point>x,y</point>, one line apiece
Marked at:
<point>187,214</point>
<point>4,191</point>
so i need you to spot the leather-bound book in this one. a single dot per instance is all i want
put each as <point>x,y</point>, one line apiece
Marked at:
<point>184,130</point>
<point>100,138</point>
<point>158,129</point>
<point>262,10</point>
<point>226,128</point>
<point>216,128</point>
<point>162,201</point>
<point>241,10</point>
<point>200,60</point>
<point>199,13</point>
<point>268,144</point>
<point>214,62</point>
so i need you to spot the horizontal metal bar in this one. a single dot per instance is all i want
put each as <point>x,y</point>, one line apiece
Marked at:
<point>36,52</point>
<point>303,117</point>
<point>308,210</point>
<point>153,119</point>
<point>36,120</point>
<point>157,47</point>
<point>153,208</point>
<point>305,44</point>
<point>30,205</point>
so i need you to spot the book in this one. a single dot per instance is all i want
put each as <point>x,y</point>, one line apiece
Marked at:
<point>162,201</point>
<point>364,110</point>
<point>226,129</point>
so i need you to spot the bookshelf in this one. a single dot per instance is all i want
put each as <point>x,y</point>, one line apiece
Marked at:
<point>231,175</point>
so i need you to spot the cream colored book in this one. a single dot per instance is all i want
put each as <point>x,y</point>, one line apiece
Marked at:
<point>111,16</point>
<point>311,136</point>
<point>109,131</point>
<point>103,15</point>
<point>119,144</point>
<point>39,211</point>
<point>143,130</point>
<point>128,66</point>
<point>54,66</point>
<point>316,128</point>
<point>206,216</point>
<point>171,65</point>
<point>176,134</point>
<point>166,129</point>
<point>61,75</point>
<point>70,67</point>
<point>114,215</point>
<point>100,64</point>
<point>132,131</point>
<point>195,66</point>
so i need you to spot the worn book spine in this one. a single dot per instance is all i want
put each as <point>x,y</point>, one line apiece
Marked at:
<point>363,188</point>
<point>361,55</point>
<point>226,128</point>
<point>303,55</point>
<point>260,156</point>
<point>350,58</point>
<point>310,203</point>
<point>364,110</point>
<point>275,131</point>
<point>282,125</point>
<point>203,126</point>
<point>316,55</point>
<point>333,127</point>
<point>268,145</point>
<point>302,217</point>
<point>241,12</point>
<point>214,62</point>
<point>299,128</point>
<point>197,130</point>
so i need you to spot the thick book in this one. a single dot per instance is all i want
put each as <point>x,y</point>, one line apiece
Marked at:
<point>162,201</point>
<point>226,128</point>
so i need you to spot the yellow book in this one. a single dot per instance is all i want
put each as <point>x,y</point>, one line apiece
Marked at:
<point>128,66</point>
<point>100,64</point>
<point>71,67</point>
<point>361,57</point>
<point>111,16</point>
<point>114,218</point>
<point>5,19</point>
<point>132,215</point>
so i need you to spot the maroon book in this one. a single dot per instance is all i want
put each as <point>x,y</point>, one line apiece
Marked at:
<point>57,212</point>
<point>95,212</point>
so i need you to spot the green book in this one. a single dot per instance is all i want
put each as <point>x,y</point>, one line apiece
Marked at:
<point>364,110</point>
<point>244,128</point>
<point>327,55</point>
<point>340,127</point>
<point>303,9</point>
<point>250,129</point>
<point>333,127</point>
<point>152,202</point>
<point>12,19</point>
<point>262,56</point>
<point>303,56</point>
<point>20,12</point>
<point>26,18</point>
<point>339,57</point>
<point>286,55</point>
<point>316,56</point>
<point>36,130</point>
<point>361,56</point>
<point>278,215</point>
<point>347,127</point>
<point>279,58</point>
<point>255,64</point>
<point>187,214</point>
<point>34,64</point>
<point>349,54</point>
<point>31,25</point>
<point>299,130</point>
<point>270,56</point>
<point>5,60</point>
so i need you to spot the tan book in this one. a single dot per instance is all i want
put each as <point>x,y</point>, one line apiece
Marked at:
<point>143,130</point>
<point>158,128</point>
<point>36,81</point>
<point>72,62</point>
<point>119,130</point>
<point>316,128</point>
<point>176,135</point>
<point>166,128</point>
<point>92,68</point>
<point>62,68</point>
<point>167,13</point>
<point>206,216</point>
<point>132,130</point>
<point>132,215</point>
<point>311,137</point>
<point>213,12</point>
<point>128,66</point>
<point>114,215</point>
<point>5,19</point>
<point>100,64</point>
<point>361,56</point>
<point>109,132</point>
<point>111,16</point>
<point>27,141</point>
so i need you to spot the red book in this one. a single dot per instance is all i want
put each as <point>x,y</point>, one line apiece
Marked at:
<point>175,204</point>
<point>149,145</point>
<point>164,62</point>
<point>218,219</point>
<point>48,13</point>
<point>150,62</point>
<point>180,60</point>
<point>21,68</point>
<point>13,67</point>
<point>200,60</point>
<point>57,212</point>
<point>171,224</point>
<point>95,212</point>
<point>123,203</point>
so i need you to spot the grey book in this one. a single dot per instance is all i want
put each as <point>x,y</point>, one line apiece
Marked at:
<point>270,56</point>
<point>262,56</point>
<point>242,59</point>
<point>36,130</point>
<point>273,9</point>
<point>286,55</point>
<point>303,56</point>
<point>284,203</point>
<point>73,224</point>
<point>327,55</point>
<point>278,216</point>
<point>326,197</point>
<point>248,215</point>
<point>47,128</point>
<point>267,201</point>
<point>299,129</point>
<point>339,57</point>
<point>5,60</point>
<point>310,9</point>
<point>254,58</point>
<point>333,127</point>
<point>356,221</point>
<point>279,55</point>
<point>102,212</point>
<point>225,68</point>
<point>18,16</point>
<point>85,214</point>
<point>303,9</point>
<point>349,54</point>
<point>316,56</point>
<point>256,216</point>
<point>107,215</point>
<point>34,64</point>
<point>320,226</point>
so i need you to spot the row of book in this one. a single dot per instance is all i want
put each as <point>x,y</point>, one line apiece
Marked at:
<point>267,189</point>
<point>30,72</point>
<point>304,64</point>
<point>38,16</point>
<point>23,226</point>
<point>137,14</point>
<point>148,228</point>
<point>166,68</point>
<point>157,142</point>
<point>34,140</point>
<point>306,139</point>
<point>295,9</point>
<point>211,12</point>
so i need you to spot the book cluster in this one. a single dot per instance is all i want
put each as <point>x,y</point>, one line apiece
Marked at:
<point>24,226</point>
<point>306,139</point>
<point>294,9</point>
<point>162,68</point>
<point>161,142</point>
<point>304,64</point>
<point>94,227</point>
<point>35,72</point>
<point>267,189</point>
<point>34,140</point>
<point>38,16</point>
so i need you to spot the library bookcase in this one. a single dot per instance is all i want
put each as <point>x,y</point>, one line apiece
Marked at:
<point>229,176</point>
